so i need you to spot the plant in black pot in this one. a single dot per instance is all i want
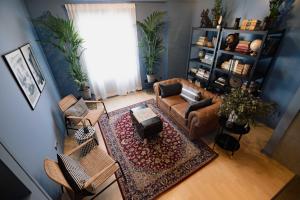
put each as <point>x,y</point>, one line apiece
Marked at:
<point>240,108</point>
<point>274,13</point>
<point>66,39</point>
<point>151,42</point>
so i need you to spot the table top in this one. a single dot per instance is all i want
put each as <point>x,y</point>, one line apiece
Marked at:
<point>234,128</point>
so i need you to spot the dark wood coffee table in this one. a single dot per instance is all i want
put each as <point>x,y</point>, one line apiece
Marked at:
<point>146,122</point>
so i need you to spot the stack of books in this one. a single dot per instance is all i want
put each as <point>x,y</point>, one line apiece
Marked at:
<point>251,25</point>
<point>221,81</point>
<point>243,47</point>
<point>208,58</point>
<point>236,66</point>
<point>202,41</point>
<point>204,74</point>
<point>193,70</point>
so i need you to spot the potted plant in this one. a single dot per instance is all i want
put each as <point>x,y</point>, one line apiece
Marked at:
<point>241,108</point>
<point>151,42</point>
<point>66,39</point>
<point>271,19</point>
<point>216,12</point>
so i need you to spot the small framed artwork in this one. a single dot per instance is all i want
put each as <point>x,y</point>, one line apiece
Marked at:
<point>33,66</point>
<point>22,74</point>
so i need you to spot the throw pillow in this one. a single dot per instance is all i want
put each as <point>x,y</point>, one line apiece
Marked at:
<point>74,173</point>
<point>170,89</point>
<point>195,106</point>
<point>191,95</point>
<point>79,109</point>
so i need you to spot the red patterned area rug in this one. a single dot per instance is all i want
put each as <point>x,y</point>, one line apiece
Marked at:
<point>153,167</point>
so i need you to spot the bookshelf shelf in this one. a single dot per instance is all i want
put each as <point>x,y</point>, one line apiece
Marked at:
<point>203,47</point>
<point>237,54</point>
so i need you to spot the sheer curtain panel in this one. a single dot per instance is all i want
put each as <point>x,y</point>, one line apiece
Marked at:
<point>111,47</point>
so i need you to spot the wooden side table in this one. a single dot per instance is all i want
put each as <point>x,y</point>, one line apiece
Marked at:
<point>81,136</point>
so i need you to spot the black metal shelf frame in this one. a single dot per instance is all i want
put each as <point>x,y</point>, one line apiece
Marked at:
<point>217,51</point>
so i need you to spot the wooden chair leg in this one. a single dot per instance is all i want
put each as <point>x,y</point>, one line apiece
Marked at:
<point>105,109</point>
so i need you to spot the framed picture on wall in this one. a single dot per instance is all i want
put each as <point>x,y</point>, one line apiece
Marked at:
<point>23,76</point>
<point>33,66</point>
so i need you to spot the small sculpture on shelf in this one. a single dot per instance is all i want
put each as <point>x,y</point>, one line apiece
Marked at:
<point>255,46</point>
<point>231,41</point>
<point>237,23</point>
<point>205,21</point>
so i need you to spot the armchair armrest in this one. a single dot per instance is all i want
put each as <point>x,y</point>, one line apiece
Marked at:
<point>74,117</point>
<point>90,101</point>
<point>79,147</point>
<point>93,178</point>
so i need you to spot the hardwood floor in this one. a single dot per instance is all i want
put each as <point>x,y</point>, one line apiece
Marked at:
<point>249,174</point>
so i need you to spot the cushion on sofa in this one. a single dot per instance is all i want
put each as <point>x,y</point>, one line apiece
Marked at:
<point>171,101</point>
<point>178,112</point>
<point>195,106</point>
<point>79,109</point>
<point>74,173</point>
<point>191,95</point>
<point>170,89</point>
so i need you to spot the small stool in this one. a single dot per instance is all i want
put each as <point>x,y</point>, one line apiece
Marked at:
<point>81,137</point>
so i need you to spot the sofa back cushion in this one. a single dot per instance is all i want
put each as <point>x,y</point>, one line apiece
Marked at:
<point>195,106</point>
<point>170,89</point>
<point>191,95</point>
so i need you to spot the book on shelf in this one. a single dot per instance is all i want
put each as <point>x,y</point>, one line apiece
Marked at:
<point>220,81</point>
<point>236,67</point>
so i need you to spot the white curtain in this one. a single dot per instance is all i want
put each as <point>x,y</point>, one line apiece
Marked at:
<point>110,38</point>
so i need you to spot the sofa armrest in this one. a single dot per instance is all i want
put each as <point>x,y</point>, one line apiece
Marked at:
<point>204,117</point>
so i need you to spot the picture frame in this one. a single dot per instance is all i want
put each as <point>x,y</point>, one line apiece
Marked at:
<point>33,66</point>
<point>18,67</point>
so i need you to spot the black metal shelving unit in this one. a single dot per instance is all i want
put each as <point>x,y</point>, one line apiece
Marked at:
<point>193,58</point>
<point>259,64</point>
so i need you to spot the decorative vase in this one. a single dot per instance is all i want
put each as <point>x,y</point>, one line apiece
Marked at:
<point>150,78</point>
<point>237,23</point>
<point>86,92</point>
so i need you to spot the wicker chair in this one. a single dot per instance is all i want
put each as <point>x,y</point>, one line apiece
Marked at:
<point>97,164</point>
<point>73,122</point>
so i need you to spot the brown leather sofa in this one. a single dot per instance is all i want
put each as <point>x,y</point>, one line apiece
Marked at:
<point>199,122</point>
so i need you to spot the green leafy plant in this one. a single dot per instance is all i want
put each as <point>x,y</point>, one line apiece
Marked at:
<point>217,10</point>
<point>245,106</point>
<point>274,8</point>
<point>66,39</point>
<point>151,42</point>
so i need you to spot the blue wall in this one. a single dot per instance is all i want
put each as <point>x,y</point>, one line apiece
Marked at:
<point>29,135</point>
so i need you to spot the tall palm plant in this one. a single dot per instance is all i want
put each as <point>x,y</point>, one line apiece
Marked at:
<point>151,42</point>
<point>66,39</point>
